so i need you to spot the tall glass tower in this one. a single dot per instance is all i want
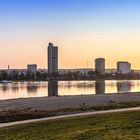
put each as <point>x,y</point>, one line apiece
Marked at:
<point>52,59</point>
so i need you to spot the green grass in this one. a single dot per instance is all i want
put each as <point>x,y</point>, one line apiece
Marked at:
<point>112,126</point>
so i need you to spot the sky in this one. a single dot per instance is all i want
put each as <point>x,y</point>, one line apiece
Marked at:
<point>82,29</point>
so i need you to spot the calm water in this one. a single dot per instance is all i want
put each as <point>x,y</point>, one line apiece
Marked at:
<point>39,89</point>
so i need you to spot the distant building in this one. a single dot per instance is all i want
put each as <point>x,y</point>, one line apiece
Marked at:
<point>135,71</point>
<point>8,67</point>
<point>80,70</point>
<point>123,67</point>
<point>32,67</point>
<point>100,66</point>
<point>52,59</point>
<point>110,71</point>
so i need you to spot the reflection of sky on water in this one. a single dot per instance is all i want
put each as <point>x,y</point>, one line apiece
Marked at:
<point>55,88</point>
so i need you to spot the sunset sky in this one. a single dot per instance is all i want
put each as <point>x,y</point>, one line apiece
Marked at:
<point>82,29</point>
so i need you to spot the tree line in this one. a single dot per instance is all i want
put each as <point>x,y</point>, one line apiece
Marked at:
<point>69,75</point>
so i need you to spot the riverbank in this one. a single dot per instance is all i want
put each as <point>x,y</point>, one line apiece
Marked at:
<point>28,108</point>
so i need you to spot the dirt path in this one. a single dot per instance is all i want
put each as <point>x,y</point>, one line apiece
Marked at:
<point>68,116</point>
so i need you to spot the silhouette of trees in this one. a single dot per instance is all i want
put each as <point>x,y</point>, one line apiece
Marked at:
<point>30,75</point>
<point>14,75</point>
<point>3,75</point>
<point>22,76</point>
<point>41,75</point>
<point>69,75</point>
<point>91,73</point>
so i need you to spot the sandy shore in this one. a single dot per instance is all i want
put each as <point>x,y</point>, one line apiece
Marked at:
<point>57,103</point>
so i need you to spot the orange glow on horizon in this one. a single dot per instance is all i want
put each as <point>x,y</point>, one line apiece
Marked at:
<point>75,52</point>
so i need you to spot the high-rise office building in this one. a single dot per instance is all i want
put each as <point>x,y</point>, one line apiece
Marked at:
<point>100,66</point>
<point>52,59</point>
<point>32,67</point>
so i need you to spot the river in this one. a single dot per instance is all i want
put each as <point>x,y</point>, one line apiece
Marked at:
<point>61,88</point>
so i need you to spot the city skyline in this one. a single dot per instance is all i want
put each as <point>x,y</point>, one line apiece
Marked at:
<point>83,30</point>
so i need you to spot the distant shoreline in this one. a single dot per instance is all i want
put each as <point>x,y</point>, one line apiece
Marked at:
<point>70,80</point>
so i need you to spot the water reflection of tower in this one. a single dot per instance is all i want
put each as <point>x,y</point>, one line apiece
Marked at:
<point>5,87</point>
<point>52,88</point>
<point>32,88</point>
<point>100,87</point>
<point>123,86</point>
<point>15,88</point>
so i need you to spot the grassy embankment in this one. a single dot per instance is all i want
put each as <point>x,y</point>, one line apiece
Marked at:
<point>112,126</point>
<point>15,115</point>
